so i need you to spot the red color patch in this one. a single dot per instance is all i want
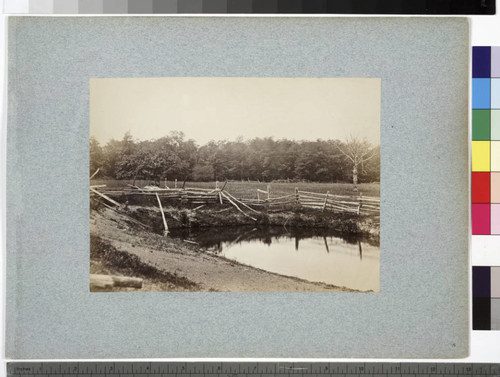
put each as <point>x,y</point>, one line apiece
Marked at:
<point>480,187</point>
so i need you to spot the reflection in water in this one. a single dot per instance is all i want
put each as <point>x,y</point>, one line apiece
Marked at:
<point>310,254</point>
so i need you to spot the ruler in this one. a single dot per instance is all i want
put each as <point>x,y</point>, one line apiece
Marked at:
<point>247,369</point>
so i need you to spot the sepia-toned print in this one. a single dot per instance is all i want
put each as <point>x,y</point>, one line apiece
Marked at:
<point>235,184</point>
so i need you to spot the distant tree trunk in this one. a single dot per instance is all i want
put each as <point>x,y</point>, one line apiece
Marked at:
<point>355,178</point>
<point>358,152</point>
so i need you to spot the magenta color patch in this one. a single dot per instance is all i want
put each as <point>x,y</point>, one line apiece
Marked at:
<point>480,218</point>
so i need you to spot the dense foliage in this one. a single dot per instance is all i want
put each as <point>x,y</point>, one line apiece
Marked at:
<point>262,159</point>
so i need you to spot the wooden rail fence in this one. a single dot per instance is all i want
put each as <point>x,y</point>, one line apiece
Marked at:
<point>358,204</point>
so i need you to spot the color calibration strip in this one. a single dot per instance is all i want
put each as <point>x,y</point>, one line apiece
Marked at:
<point>485,298</point>
<point>485,141</point>
<point>485,180</point>
<point>250,6</point>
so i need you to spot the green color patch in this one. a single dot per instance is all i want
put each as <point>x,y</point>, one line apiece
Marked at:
<point>480,124</point>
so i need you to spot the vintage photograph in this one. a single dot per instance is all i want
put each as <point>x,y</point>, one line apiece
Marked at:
<point>222,184</point>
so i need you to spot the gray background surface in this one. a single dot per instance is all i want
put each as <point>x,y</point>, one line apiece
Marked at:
<point>422,309</point>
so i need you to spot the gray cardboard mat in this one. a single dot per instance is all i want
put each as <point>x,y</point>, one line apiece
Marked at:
<point>422,309</point>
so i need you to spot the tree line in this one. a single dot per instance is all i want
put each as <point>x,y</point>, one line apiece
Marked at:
<point>263,159</point>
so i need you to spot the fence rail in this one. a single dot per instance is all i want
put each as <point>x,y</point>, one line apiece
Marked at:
<point>358,204</point>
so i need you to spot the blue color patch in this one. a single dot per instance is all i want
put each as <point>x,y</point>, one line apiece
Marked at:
<point>481,93</point>
<point>481,62</point>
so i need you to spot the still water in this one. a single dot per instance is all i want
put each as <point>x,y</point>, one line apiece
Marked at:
<point>310,254</point>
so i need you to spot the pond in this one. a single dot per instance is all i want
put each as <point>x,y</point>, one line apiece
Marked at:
<point>315,255</point>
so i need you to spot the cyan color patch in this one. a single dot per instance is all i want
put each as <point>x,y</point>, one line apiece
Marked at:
<point>481,93</point>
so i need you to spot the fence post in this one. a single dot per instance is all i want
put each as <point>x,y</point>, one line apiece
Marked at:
<point>326,198</point>
<point>360,202</point>
<point>216,184</point>
<point>175,183</point>
<point>224,185</point>
<point>297,196</point>
<point>258,196</point>
<point>184,196</point>
<point>268,191</point>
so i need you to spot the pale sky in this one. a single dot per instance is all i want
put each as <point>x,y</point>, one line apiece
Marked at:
<point>216,108</point>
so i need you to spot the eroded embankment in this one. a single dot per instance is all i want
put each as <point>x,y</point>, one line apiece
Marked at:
<point>343,224</point>
<point>120,245</point>
<point>146,210</point>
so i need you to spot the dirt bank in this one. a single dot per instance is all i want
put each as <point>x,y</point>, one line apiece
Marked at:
<point>187,215</point>
<point>344,224</point>
<point>121,246</point>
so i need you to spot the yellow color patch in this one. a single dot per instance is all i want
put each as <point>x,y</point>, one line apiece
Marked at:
<point>480,156</point>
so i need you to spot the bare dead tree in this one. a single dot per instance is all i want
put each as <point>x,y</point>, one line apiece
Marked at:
<point>358,152</point>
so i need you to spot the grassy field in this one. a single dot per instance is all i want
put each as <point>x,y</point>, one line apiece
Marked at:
<point>249,189</point>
